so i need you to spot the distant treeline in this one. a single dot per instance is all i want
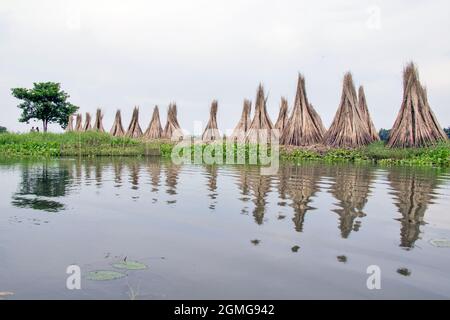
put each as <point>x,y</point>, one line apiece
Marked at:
<point>384,134</point>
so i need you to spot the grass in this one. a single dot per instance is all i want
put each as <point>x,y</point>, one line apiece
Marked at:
<point>102,144</point>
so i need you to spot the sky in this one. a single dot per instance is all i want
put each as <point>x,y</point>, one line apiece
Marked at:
<point>120,54</point>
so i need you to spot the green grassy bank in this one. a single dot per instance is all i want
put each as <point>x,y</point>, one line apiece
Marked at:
<point>102,144</point>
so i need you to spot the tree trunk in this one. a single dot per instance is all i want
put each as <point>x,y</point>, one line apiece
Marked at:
<point>44,125</point>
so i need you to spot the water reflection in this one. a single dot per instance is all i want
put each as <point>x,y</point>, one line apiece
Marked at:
<point>299,184</point>
<point>211,174</point>
<point>351,187</point>
<point>260,187</point>
<point>413,190</point>
<point>40,182</point>
<point>43,186</point>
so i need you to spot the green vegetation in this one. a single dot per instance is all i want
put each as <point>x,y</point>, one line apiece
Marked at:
<point>3,130</point>
<point>102,144</point>
<point>71,144</point>
<point>46,102</point>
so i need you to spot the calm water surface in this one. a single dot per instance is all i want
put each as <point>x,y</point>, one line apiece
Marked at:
<point>310,231</point>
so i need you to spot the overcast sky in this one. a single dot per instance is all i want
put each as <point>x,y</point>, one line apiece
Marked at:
<point>118,54</point>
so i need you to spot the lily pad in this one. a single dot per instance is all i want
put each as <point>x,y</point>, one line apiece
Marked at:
<point>130,265</point>
<point>440,243</point>
<point>104,275</point>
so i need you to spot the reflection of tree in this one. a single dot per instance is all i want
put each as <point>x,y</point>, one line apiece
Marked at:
<point>412,189</point>
<point>300,184</point>
<point>351,188</point>
<point>39,182</point>
<point>37,204</point>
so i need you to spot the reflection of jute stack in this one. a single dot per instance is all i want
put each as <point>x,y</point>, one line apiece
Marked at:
<point>259,187</point>
<point>348,128</point>
<point>211,132</point>
<point>413,191</point>
<point>300,184</point>
<point>171,172</point>
<point>416,124</point>
<point>154,169</point>
<point>134,169</point>
<point>351,188</point>
<point>304,127</point>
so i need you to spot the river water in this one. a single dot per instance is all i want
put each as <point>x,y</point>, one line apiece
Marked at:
<point>223,232</point>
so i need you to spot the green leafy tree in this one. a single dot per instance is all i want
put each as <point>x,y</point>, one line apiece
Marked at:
<point>384,134</point>
<point>45,102</point>
<point>447,131</point>
<point>3,129</point>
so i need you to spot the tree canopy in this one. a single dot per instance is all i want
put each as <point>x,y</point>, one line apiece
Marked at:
<point>45,102</point>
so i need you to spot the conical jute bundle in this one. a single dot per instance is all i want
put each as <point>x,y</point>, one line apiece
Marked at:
<point>79,123</point>
<point>304,127</point>
<point>243,125</point>
<point>172,126</point>
<point>154,130</point>
<point>98,124</point>
<point>348,128</point>
<point>416,124</point>
<point>69,127</point>
<point>87,122</point>
<point>283,118</point>
<point>260,130</point>
<point>317,119</point>
<point>211,132</point>
<point>117,128</point>
<point>366,115</point>
<point>134,129</point>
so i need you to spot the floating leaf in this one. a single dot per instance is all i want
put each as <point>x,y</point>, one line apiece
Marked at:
<point>104,275</point>
<point>129,265</point>
<point>440,243</point>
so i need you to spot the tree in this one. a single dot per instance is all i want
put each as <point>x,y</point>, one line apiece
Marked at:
<point>384,134</point>
<point>447,131</point>
<point>45,102</point>
<point>3,130</point>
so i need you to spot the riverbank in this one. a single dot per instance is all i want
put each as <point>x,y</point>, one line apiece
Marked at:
<point>102,144</point>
